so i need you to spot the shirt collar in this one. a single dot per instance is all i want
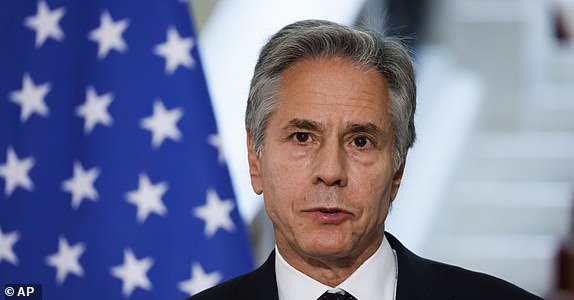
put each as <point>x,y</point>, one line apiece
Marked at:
<point>376,276</point>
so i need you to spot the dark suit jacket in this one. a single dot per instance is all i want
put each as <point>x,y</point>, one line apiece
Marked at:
<point>419,278</point>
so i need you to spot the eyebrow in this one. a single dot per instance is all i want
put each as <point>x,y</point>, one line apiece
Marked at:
<point>308,125</point>
<point>369,128</point>
<point>303,124</point>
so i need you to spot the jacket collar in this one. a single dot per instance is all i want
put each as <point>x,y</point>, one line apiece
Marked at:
<point>264,276</point>
<point>417,278</point>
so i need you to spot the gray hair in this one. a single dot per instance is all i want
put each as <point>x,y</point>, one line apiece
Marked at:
<point>323,39</point>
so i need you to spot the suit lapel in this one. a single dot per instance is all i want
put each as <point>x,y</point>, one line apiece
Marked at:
<point>262,285</point>
<point>417,279</point>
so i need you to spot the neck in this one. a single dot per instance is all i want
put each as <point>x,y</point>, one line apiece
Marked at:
<point>330,270</point>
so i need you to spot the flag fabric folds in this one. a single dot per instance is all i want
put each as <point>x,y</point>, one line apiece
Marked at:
<point>113,183</point>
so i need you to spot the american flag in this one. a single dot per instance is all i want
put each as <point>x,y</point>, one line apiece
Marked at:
<point>113,183</point>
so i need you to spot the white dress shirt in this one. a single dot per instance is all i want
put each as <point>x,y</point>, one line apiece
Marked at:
<point>376,278</point>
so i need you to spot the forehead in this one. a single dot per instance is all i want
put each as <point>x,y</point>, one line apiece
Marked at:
<point>333,90</point>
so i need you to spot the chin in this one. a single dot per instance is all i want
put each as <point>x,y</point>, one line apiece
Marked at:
<point>320,248</point>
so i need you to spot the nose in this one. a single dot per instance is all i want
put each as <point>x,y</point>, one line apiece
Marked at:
<point>330,165</point>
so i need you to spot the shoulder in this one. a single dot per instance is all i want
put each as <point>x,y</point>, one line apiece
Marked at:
<point>476,285</point>
<point>224,290</point>
<point>259,284</point>
<point>421,278</point>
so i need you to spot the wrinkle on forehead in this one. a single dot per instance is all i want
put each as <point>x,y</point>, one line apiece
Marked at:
<point>334,93</point>
<point>317,79</point>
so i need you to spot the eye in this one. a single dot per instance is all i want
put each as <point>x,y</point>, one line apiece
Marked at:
<point>302,137</point>
<point>361,141</point>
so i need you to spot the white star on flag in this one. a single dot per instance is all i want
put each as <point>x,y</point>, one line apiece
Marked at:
<point>45,23</point>
<point>95,110</point>
<point>109,35</point>
<point>81,185</point>
<point>215,141</point>
<point>147,198</point>
<point>66,260</point>
<point>100,103</point>
<point>31,98</point>
<point>199,280</point>
<point>7,242</point>
<point>133,273</point>
<point>216,213</point>
<point>162,123</point>
<point>15,172</point>
<point>176,51</point>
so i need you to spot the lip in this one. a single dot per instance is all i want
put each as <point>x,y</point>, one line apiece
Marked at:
<point>329,215</point>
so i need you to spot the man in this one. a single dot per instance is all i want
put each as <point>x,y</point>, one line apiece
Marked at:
<point>329,123</point>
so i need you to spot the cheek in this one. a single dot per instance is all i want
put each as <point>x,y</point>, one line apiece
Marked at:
<point>270,208</point>
<point>282,186</point>
<point>377,209</point>
<point>283,175</point>
<point>372,191</point>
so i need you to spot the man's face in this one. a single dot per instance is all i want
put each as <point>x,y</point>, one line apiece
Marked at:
<point>326,166</point>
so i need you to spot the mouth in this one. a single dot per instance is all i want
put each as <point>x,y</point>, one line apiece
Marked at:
<point>330,211</point>
<point>328,215</point>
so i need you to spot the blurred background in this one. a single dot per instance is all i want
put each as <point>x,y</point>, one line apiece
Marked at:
<point>489,184</point>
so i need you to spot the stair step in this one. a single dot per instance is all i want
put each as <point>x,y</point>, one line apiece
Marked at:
<point>555,119</point>
<point>538,155</point>
<point>514,194</point>
<point>562,65</point>
<point>531,145</point>
<point>507,220</point>
<point>552,107</point>
<point>494,246</point>
<point>483,208</point>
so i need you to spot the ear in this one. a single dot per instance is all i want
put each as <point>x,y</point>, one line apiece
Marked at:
<point>396,182</point>
<point>254,166</point>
